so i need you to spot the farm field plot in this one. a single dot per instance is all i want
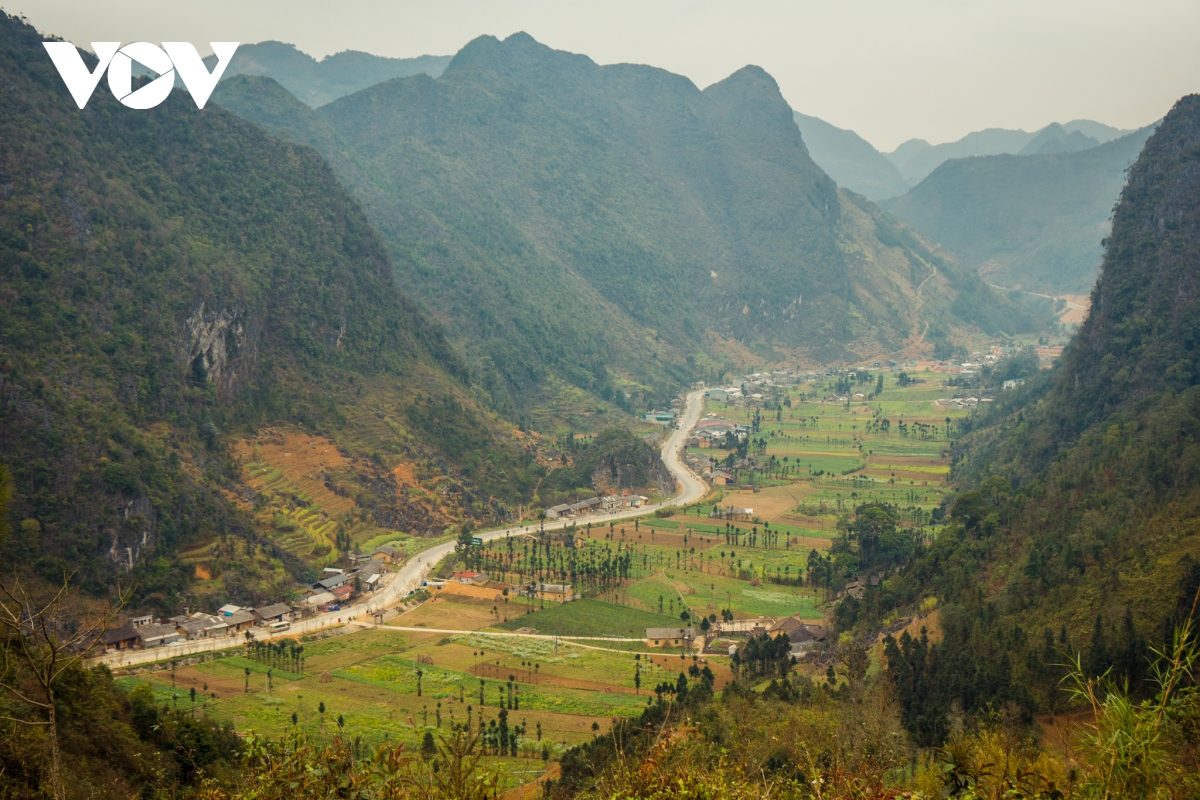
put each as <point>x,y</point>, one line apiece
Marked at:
<point>708,594</point>
<point>591,617</point>
<point>456,612</point>
<point>364,685</point>
<point>890,448</point>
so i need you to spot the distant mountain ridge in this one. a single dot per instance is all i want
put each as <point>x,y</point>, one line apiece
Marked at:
<point>316,83</point>
<point>916,158</point>
<point>616,227</point>
<point>850,160</point>
<point>1033,222</point>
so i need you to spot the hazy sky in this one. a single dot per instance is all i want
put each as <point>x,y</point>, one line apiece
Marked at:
<point>889,69</point>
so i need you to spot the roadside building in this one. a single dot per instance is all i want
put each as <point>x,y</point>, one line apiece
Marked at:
<point>122,638</point>
<point>276,612</point>
<point>239,622</point>
<point>318,601</point>
<point>158,635</point>
<point>557,592</point>
<point>556,512</point>
<point>331,583</point>
<point>386,553</point>
<point>669,637</point>
<point>473,578</point>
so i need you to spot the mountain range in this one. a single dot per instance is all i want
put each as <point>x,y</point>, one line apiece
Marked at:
<point>1058,257</point>
<point>916,158</point>
<point>316,83</point>
<point>856,165</point>
<point>1030,222</point>
<point>616,228</point>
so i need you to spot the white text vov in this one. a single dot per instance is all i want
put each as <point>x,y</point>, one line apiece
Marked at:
<point>165,60</point>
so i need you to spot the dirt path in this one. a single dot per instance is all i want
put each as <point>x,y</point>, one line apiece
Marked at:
<point>532,789</point>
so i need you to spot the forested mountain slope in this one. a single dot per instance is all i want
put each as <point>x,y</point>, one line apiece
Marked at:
<point>169,278</point>
<point>1079,531</point>
<point>1032,222</point>
<point>616,225</point>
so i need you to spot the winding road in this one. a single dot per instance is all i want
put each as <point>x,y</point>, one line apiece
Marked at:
<point>690,489</point>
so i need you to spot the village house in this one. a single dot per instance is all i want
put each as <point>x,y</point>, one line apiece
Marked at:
<point>785,627</point>
<point>473,578</point>
<point>122,638</point>
<point>343,592</point>
<point>558,592</point>
<point>142,621</point>
<point>585,506</point>
<point>317,602</point>
<point>276,612</point>
<point>332,582</point>
<point>158,635</point>
<point>239,622</point>
<point>555,512</point>
<point>192,629</point>
<point>669,637</point>
<point>370,575</point>
<point>720,478</point>
<point>386,553</point>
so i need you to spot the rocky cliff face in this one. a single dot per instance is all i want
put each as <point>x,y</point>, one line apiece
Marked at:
<point>612,474</point>
<point>216,339</point>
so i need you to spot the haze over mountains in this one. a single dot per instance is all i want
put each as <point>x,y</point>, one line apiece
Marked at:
<point>851,160</point>
<point>1036,231</point>
<point>316,83</point>
<point>617,225</point>
<point>855,164</point>
<point>1032,222</point>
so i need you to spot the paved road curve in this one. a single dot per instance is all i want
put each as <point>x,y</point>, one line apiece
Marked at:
<point>409,576</point>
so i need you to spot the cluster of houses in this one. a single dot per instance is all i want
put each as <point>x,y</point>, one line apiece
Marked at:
<point>804,637</point>
<point>708,469</point>
<point>592,505</point>
<point>230,620</point>
<point>712,431</point>
<point>959,403</point>
<point>336,587</point>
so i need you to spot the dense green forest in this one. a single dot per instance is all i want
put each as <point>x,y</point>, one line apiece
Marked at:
<point>613,461</point>
<point>171,278</point>
<point>571,220</point>
<point>1075,530</point>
